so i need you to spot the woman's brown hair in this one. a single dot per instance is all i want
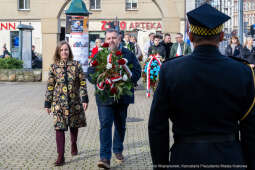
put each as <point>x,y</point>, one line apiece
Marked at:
<point>57,57</point>
<point>234,37</point>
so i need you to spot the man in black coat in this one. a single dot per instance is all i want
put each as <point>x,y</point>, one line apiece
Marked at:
<point>205,95</point>
<point>157,48</point>
<point>167,44</point>
<point>110,111</point>
<point>126,43</point>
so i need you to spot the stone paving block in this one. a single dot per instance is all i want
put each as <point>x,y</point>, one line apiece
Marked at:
<point>28,137</point>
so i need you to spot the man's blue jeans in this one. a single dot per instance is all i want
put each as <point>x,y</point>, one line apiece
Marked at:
<point>108,115</point>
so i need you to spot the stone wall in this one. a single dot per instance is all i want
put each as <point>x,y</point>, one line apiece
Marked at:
<point>24,75</point>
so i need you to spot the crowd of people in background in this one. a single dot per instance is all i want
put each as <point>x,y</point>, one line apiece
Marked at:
<point>246,52</point>
<point>167,49</point>
<point>157,44</point>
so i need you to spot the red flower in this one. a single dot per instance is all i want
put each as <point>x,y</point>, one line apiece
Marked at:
<point>105,45</point>
<point>113,90</point>
<point>94,52</point>
<point>118,53</point>
<point>94,63</point>
<point>121,61</point>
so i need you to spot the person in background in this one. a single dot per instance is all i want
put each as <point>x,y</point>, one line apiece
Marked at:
<point>180,48</point>
<point>157,48</point>
<point>36,61</point>
<point>127,44</point>
<point>138,51</point>
<point>6,53</point>
<point>67,98</point>
<point>148,44</point>
<point>234,49</point>
<point>249,51</point>
<point>167,44</point>
<point>98,43</point>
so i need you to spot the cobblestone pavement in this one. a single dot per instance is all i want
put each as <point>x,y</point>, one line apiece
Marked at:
<point>27,136</point>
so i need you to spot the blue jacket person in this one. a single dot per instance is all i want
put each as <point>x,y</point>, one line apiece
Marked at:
<point>205,95</point>
<point>110,111</point>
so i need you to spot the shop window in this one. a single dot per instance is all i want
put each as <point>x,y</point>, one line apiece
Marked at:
<point>131,4</point>
<point>95,4</point>
<point>14,45</point>
<point>23,4</point>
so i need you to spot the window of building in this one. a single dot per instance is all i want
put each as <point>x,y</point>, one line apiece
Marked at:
<point>131,4</point>
<point>95,4</point>
<point>14,45</point>
<point>244,6</point>
<point>235,7</point>
<point>23,4</point>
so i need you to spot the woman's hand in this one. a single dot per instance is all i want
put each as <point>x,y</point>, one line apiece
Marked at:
<point>85,106</point>
<point>252,65</point>
<point>48,110</point>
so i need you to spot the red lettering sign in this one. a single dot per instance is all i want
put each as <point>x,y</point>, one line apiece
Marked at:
<point>131,26</point>
<point>123,25</point>
<point>148,26</point>
<point>159,26</point>
<point>7,26</point>
<point>4,26</point>
<point>137,24</point>
<point>134,25</point>
<point>103,25</point>
<point>13,26</point>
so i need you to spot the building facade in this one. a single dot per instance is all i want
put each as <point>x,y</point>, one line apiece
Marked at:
<point>248,15</point>
<point>48,19</point>
<point>225,6</point>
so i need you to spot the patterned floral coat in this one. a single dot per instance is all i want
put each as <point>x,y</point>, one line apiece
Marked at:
<point>66,91</point>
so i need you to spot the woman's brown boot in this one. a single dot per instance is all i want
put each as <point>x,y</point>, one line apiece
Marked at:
<point>60,140</point>
<point>74,134</point>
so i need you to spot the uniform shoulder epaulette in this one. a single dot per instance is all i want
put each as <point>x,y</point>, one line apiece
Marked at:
<point>240,60</point>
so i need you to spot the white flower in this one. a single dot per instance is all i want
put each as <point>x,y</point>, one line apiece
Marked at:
<point>125,77</point>
<point>109,66</point>
<point>100,49</point>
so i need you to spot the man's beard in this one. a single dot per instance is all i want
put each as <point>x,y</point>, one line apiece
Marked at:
<point>113,47</point>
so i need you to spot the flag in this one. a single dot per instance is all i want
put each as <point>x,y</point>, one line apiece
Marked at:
<point>179,50</point>
<point>186,36</point>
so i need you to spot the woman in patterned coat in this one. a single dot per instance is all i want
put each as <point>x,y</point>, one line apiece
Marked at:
<point>66,97</point>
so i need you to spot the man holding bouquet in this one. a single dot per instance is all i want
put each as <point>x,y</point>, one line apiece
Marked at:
<point>114,70</point>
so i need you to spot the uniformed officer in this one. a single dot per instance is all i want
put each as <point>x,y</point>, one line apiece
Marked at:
<point>205,95</point>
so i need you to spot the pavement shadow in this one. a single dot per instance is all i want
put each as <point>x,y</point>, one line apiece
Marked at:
<point>131,162</point>
<point>78,158</point>
<point>137,144</point>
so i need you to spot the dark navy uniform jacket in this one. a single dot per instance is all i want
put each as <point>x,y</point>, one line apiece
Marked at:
<point>136,74</point>
<point>204,93</point>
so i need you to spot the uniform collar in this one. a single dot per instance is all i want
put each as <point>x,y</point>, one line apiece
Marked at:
<point>207,50</point>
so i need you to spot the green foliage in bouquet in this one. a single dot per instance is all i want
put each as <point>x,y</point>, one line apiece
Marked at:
<point>110,76</point>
